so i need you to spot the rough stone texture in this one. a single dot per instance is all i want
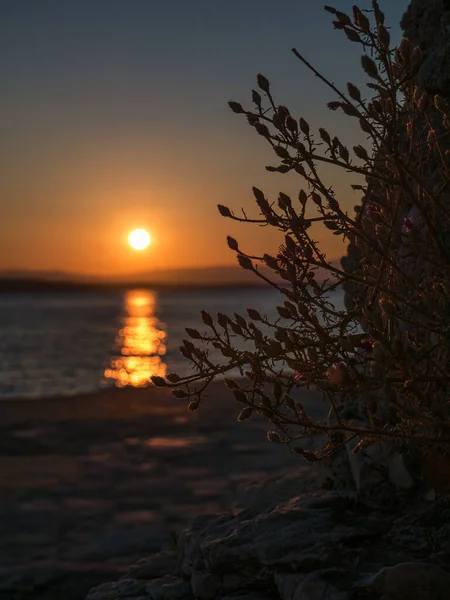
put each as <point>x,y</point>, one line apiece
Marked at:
<point>314,546</point>
<point>166,562</point>
<point>412,581</point>
<point>427,24</point>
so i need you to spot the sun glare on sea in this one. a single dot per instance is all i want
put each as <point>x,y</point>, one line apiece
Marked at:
<point>139,239</point>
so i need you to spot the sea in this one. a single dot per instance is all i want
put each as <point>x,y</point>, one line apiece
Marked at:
<point>67,343</point>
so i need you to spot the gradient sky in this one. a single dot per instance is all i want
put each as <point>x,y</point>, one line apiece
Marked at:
<point>114,116</point>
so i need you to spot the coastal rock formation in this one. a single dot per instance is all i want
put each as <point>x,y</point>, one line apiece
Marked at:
<point>309,547</point>
<point>426,24</point>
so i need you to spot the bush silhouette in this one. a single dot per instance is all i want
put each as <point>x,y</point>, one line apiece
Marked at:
<point>382,363</point>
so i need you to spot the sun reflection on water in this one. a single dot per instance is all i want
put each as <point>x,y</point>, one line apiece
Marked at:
<point>140,344</point>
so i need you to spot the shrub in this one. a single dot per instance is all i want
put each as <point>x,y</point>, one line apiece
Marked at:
<point>383,362</point>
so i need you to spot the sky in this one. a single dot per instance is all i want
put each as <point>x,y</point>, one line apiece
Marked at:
<point>114,116</point>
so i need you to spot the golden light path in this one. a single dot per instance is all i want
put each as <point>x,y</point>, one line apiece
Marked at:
<point>139,239</point>
<point>141,342</point>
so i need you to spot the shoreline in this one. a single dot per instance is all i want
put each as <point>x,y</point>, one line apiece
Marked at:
<point>107,403</point>
<point>126,403</point>
<point>108,478</point>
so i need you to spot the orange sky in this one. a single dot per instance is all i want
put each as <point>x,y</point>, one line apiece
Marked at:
<point>117,119</point>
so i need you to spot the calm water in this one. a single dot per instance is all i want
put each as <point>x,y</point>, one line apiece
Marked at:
<point>66,343</point>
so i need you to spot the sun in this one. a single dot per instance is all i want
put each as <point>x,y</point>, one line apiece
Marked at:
<point>139,239</point>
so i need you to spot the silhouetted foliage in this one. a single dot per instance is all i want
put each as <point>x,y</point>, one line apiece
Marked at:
<point>385,358</point>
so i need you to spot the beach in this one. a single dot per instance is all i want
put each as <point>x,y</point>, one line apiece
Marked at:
<point>90,484</point>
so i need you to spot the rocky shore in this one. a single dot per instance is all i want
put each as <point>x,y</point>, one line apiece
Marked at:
<point>283,542</point>
<point>89,485</point>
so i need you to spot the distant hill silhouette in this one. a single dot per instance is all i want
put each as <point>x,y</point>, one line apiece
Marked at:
<point>221,276</point>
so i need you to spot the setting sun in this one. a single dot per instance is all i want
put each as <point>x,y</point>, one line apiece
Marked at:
<point>139,239</point>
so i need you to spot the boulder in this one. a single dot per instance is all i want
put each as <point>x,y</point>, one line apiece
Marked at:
<point>412,581</point>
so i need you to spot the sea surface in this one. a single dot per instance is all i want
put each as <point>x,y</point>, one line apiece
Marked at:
<point>65,343</point>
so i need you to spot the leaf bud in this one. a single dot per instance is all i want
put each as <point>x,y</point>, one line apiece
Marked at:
<point>230,383</point>
<point>404,49</point>
<point>379,15</point>
<point>352,35</point>
<point>240,396</point>
<point>232,243</point>
<point>440,103</point>
<point>193,333</point>
<point>223,320</point>
<point>262,129</point>
<point>236,107</point>
<point>284,201</point>
<point>173,378</point>
<point>254,314</point>
<point>387,306</point>
<point>302,197</point>
<point>284,312</point>
<point>291,124</point>
<point>349,109</point>
<point>308,455</point>
<point>325,135</point>
<point>282,152</point>
<point>304,126</point>
<point>256,97</point>
<point>361,152</point>
<point>245,262</point>
<point>224,210</point>
<point>158,381</point>
<point>273,437</point>
<point>365,126</point>
<point>283,112</point>
<point>384,37</point>
<point>289,402</point>
<point>353,92</point>
<point>240,320</point>
<point>361,20</point>
<point>263,83</point>
<point>193,405</point>
<point>245,413</point>
<point>369,66</point>
<point>206,318</point>
<point>235,328</point>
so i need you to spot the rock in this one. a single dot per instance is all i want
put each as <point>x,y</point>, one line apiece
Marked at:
<point>162,563</point>
<point>412,581</point>
<point>169,588</point>
<point>398,473</point>
<point>248,595</point>
<point>317,586</point>
<point>287,584</point>
<point>310,547</point>
<point>205,586</point>
<point>427,24</point>
<point>125,588</point>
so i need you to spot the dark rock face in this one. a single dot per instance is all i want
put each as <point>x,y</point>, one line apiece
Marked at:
<point>315,546</point>
<point>427,24</point>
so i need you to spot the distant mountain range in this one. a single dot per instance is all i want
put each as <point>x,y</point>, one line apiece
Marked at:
<point>220,276</point>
